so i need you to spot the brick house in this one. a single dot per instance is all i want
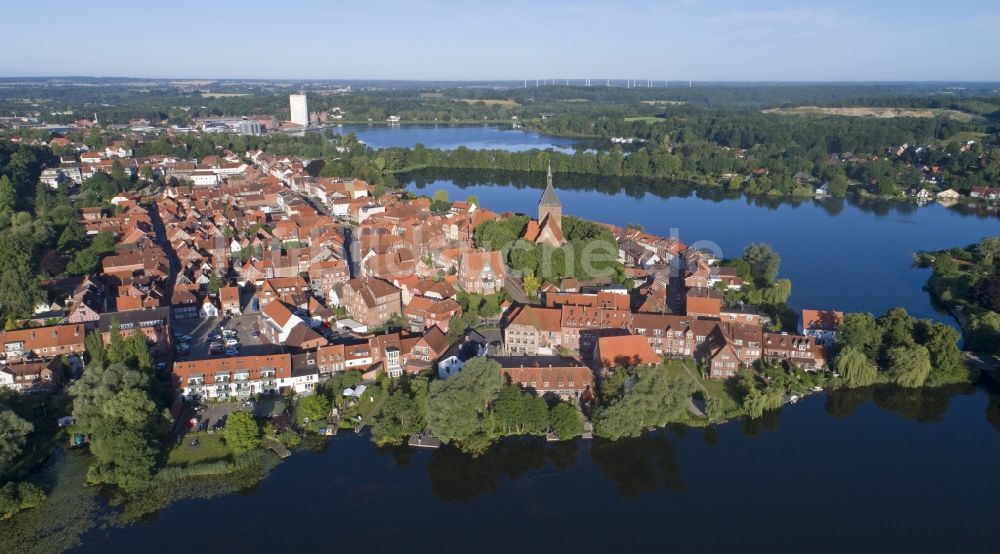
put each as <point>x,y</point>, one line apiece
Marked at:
<point>425,313</point>
<point>153,323</point>
<point>371,300</point>
<point>482,272</point>
<point>531,329</point>
<point>623,350</point>
<point>703,302</point>
<point>43,342</point>
<point>547,375</point>
<point>235,377</point>
<point>229,300</point>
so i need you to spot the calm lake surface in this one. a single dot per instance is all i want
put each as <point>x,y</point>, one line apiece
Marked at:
<point>449,137</point>
<point>839,253</point>
<point>872,470</point>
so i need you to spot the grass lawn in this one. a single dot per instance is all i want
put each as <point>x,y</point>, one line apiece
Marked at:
<point>368,408</point>
<point>644,118</point>
<point>713,387</point>
<point>493,102</point>
<point>965,136</point>
<point>210,448</point>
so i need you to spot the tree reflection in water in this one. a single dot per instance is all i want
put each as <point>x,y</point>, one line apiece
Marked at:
<point>457,476</point>
<point>639,465</point>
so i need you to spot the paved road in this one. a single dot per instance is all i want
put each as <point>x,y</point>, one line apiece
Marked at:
<point>353,250</point>
<point>515,290</point>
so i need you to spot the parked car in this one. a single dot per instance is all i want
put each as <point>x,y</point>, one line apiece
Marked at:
<point>214,336</point>
<point>232,351</point>
<point>220,423</point>
<point>232,342</point>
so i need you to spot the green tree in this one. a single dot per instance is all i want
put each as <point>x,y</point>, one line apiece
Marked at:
<point>764,263</point>
<point>565,421</point>
<point>897,328</point>
<point>72,237</point>
<point>118,350</point>
<point>654,400</point>
<point>854,367</point>
<point>838,186</point>
<point>8,197</point>
<point>440,195</point>
<point>125,457</point>
<point>214,283</point>
<point>95,348</point>
<point>19,290</point>
<point>242,432</point>
<point>456,406</point>
<point>138,351</point>
<point>531,285</point>
<point>114,405</point>
<point>861,331</point>
<point>518,413</point>
<point>14,433</point>
<point>909,365</point>
<point>314,408</point>
<point>399,418</point>
<point>941,341</point>
<point>15,497</point>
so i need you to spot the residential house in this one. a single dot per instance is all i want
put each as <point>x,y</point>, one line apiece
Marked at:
<point>797,350</point>
<point>623,351</point>
<point>229,300</point>
<point>233,377</point>
<point>29,375</point>
<point>532,330</point>
<point>548,375</point>
<point>482,272</point>
<point>821,325</point>
<point>371,300</point>
<point>43,342</point>
<point>427,350</point>
<point>153,323</point>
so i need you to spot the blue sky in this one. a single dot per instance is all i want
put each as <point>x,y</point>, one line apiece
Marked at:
<point>510,39</point>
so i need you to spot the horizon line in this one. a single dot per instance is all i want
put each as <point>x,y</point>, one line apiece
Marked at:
<point>680,83</point>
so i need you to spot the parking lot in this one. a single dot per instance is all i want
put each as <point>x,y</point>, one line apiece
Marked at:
<point>210,417</point>
<point>201,329</point>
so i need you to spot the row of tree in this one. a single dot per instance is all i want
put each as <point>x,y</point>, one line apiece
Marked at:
<point>899,348</point>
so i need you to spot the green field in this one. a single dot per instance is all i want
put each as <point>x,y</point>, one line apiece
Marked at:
<point>211,448</point>
<point>713,387</point>
<point>644,118</point>
<point>965,136</point>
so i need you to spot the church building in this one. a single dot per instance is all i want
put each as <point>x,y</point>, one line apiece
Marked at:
<point>547,229</point>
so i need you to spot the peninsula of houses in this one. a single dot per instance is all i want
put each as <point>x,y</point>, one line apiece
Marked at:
<point>311,276</point>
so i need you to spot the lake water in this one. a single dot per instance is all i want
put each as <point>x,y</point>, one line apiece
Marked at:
<point>872,470</point>
<point>449,137</point>
<point>839,253</point>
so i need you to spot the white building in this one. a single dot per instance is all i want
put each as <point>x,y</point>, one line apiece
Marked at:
<point>299,109</point>
<point>204,177</point>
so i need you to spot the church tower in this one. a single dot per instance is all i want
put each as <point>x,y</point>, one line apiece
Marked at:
<point>549,205</point>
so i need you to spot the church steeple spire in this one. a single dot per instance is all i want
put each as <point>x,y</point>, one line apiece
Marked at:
<point>549,198</point>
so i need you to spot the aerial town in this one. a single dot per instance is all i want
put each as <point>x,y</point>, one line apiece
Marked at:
<point>249,277</point>
<point>582,270</point>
